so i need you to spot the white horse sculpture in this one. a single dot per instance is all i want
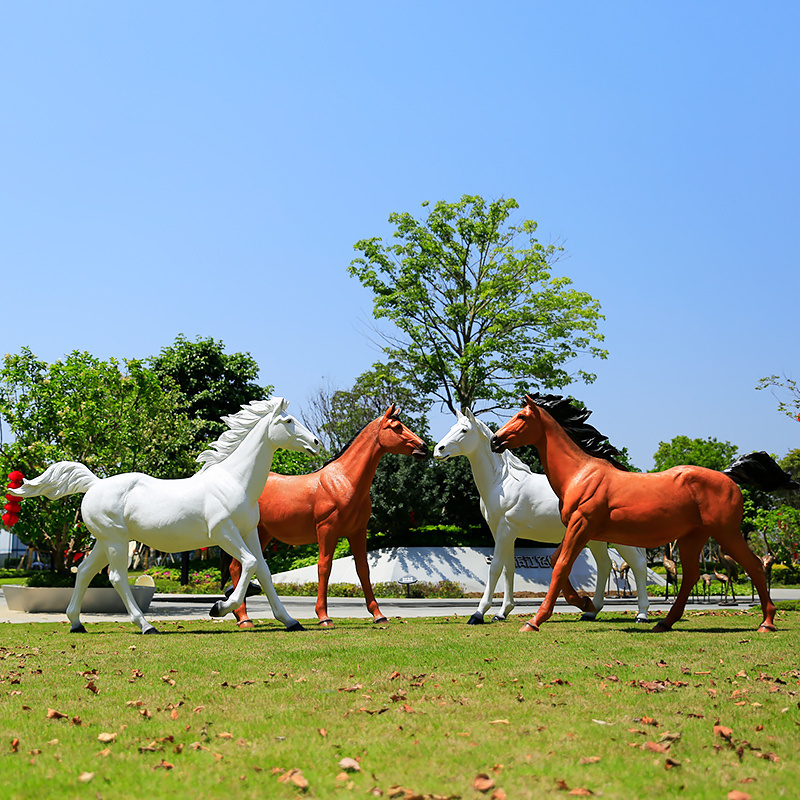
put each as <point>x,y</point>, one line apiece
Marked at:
<point>518,503</point>
<point>218,504</point>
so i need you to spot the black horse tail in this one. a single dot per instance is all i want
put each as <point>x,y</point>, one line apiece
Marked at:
<point>761,471</point>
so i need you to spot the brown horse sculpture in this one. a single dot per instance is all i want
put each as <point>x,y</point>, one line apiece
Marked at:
<point>601,500</point>
<point>330,504</point>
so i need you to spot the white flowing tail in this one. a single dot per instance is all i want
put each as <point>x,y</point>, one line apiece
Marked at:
<point>58,480</point>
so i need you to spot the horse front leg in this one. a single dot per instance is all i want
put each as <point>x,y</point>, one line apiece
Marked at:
<point>358,547</point>
<point>571,594</point>
<point>227,536</point>
<point>243,621</point>
<point>279,611</point>
<point>88,568</point>
<point>574,541</point>
<point>637,560</point>
<point>495,568</point>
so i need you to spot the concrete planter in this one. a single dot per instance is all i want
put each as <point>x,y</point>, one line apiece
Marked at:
<point>54,600</point>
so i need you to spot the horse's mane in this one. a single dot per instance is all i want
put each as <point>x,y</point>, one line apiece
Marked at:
<point>510,464</point>
<point>352,439</point>
<point>573,420</point>
<point>239,425</point>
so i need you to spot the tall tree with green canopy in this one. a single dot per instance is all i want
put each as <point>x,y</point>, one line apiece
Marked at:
<point>480,315</point>
<point>110,416</point>
<point>214,383</point>
<point>708,453</point>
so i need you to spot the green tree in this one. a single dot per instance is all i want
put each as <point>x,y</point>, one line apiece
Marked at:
<point>112,417</point>
<point>479,314</point>
<point>708,453</point>
<point>213,382</point>
<point>339,414</point>
<point>791,404</point>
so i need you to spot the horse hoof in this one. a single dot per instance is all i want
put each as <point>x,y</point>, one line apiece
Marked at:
<point>77,628</point>
<point>216,610</point>
<point>245,625</point>
<point>766,627</point>
<point>498,618</point>
<point>296,627</point>
<point>475,619</point>
<point>252,588</point>
<point>325,623</point>
<point>642,619</point>
<point>380,620</point>
<point>588,616</point>
<point>660,627</point>
<point>528,627</point>
<point>151,629</point>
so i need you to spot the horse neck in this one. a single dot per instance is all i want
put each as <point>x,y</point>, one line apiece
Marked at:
<point>249,464</point>
<point>487,467</point>
<point>360,460</point>
<point>561,458</point>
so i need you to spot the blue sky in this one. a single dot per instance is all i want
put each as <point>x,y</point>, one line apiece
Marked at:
<point>204,169</point>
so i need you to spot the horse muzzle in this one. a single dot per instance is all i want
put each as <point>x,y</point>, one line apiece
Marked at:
<point>421,453</point>
<point>497,444</point>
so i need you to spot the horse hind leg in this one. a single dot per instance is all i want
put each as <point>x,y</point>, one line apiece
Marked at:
<point>118,575</point>
<point>736,547</point>
<point>637,559</point>
<point>689,547</point>
<point>603,560</point>
<point>88,568</point>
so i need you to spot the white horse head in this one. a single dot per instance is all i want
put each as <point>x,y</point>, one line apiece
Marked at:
<point>464,438</point>
<point>281,429</point>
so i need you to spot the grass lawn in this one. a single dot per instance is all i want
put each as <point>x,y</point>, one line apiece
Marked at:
<point>421,708</point>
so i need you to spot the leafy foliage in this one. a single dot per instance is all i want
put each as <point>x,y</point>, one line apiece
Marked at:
<point>481,318</point>
<point>680,450</point>
<point>112,417</point>
<point>213,382</point>
<point>789,406</point>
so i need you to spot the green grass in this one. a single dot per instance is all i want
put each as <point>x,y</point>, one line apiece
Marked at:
<point>204,711</point>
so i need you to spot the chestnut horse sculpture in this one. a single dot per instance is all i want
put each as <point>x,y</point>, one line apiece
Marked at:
<point>330,504</point>
<point>600,500</point>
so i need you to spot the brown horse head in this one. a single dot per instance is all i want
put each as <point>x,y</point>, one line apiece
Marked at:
<point>523,428</point>
<point>395,437</point>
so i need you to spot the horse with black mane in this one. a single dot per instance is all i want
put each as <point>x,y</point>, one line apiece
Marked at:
<point>601,500</point>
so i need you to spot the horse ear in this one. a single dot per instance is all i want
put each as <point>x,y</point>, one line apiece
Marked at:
<point>391,412</point>
<point>459,415</point>
<point>528,400</point>
<point>470,416</point>
<point>283,404</point>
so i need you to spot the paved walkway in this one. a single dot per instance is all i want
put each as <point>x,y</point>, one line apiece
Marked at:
<point>171,607</point>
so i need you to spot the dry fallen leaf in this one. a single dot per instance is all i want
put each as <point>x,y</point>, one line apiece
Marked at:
<point>579,791</point>
<point>725,733</point>
<point>85,777</point>
<point>499,794</point>
<point>735,794</point>
<point>349,765</point>
<point>106,738</point>
<point>53,714</point>
<point>589,760</point>
<point>483,782</point>
<point>294,776</point>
